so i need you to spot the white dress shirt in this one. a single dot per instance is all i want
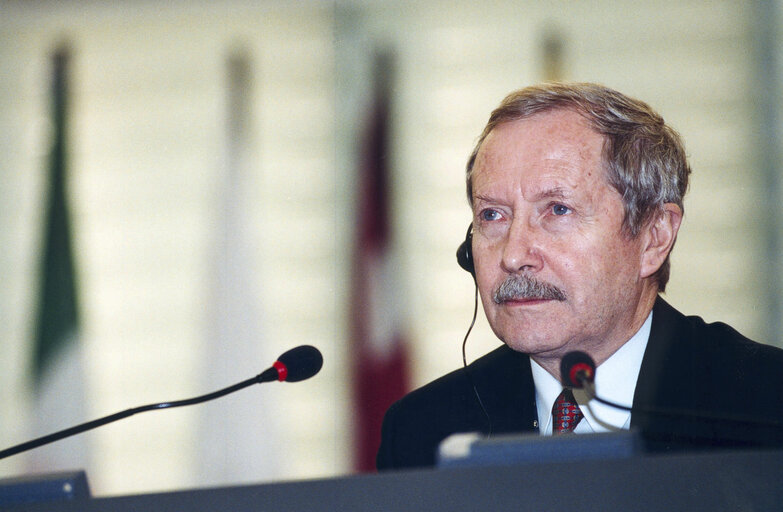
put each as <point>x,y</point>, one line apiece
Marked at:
<point>615,380</point>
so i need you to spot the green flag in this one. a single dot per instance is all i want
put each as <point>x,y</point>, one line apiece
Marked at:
<point>57,316</point>
<point>57,367</point>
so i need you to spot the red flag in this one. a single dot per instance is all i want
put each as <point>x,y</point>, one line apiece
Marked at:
<point>380,373</point>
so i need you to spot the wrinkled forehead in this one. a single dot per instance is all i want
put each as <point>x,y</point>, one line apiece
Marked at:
<point>558,144</point>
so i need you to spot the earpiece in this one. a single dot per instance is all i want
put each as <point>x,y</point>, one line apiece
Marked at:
<point>465,252</point>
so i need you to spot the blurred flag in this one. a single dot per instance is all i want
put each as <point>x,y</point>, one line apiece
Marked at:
<point>57,359</point>
<point>380,355</point>
<point>238,441</point>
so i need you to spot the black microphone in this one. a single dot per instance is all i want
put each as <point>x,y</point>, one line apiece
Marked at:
<point>295,365</point>
<point>577,370</point>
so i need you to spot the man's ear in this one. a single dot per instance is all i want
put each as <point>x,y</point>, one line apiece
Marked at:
<point>661,232</point>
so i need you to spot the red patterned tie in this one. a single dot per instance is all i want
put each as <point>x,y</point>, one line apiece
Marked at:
<point>565,413</point>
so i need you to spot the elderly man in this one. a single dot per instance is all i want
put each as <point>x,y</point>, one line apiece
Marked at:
<point>577,198</point>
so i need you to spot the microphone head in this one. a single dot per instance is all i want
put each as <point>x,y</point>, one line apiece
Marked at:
<point>299,363</point>
<point>577,368</point>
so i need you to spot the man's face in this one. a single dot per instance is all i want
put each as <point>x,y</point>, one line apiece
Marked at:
<point>544,212</point>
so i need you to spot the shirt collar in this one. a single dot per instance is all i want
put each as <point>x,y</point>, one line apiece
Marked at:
<point>615,382</point>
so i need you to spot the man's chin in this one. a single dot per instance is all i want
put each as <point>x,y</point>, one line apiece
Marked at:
<point>537,347</point>
<point>537,329</point>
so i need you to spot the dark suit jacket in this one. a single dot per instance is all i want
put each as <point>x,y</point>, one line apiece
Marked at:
<point>700,385</point>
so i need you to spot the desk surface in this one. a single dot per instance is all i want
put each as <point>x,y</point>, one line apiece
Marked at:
<point>730,481</point>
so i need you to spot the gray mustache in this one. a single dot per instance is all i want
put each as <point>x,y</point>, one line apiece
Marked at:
<point>520,286</point>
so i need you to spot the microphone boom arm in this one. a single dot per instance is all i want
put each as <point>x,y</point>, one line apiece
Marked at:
<point>267,375</point>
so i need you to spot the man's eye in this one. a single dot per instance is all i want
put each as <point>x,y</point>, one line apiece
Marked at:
<point>559,209</point>
<point>489,215</point>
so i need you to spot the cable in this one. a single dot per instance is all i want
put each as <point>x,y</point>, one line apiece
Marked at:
<point>465,360</point>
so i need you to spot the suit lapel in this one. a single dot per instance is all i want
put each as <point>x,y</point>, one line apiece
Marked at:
<point>668,373</point>
<point>652,381</point>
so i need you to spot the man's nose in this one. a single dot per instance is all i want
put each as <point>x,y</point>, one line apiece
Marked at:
<point>522,251</point>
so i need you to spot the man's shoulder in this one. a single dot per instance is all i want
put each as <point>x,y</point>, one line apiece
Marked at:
<point>712,339</point>
<point>713,364</point>
<point>725,381</point>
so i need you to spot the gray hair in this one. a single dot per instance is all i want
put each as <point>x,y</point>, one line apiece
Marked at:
<point>644,158</point>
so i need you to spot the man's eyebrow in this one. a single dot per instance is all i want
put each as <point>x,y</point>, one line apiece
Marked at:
<point>556,192</point>
<point>553,193</point>
<point>483,198</point>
